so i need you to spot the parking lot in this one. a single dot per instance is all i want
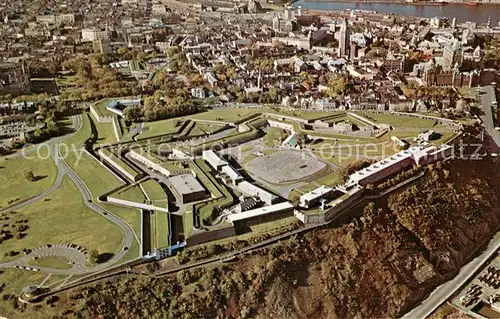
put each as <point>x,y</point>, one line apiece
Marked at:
<point>481,297</point>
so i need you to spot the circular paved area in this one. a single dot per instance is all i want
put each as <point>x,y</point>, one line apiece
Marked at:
<point>76,257</point>
<point>284,166</point>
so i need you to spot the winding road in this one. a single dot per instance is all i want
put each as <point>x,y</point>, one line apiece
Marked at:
<point>76,257</point>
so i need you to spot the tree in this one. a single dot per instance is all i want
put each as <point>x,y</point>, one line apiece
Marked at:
<point>94,256</point>
<point>29,176</point>
<point>337,86</point>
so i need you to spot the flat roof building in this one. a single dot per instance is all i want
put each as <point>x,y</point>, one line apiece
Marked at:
<point>255,191</point>
<point>313,197</point>
<point>232,174</point>
<point>262,214</point>
<point>213,159</point>
<point>188,188</point>
<point>415,155</point>
<point>382,169</point>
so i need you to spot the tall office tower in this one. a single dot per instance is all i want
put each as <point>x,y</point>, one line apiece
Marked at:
<point>344,39</point>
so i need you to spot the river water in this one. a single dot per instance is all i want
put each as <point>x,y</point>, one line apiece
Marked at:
<point>462,12</point>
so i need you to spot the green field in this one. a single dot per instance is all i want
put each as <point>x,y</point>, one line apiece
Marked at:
<point>225,115</point>
<point>204,128</point>
<point>131,216</point>
<point>51,262</point>
<point>97,177</point>
<point>153,190</point>
<point>400,121</point>
<point>63,218</point>
<point>162,230</point>
<point>130,170</point>
<point>156,128</point>
<point>101,107</point>
<point>14,186</point>
<point>105,132</point>
<point>274,136</point>
<point>15,280</point>
<point>133,194</point>
<point>225,199</point>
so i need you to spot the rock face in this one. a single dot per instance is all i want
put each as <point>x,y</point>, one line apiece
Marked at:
<point>386,259</point>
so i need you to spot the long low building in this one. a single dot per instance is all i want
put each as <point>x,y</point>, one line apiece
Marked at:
<point>255,191</point>
<point>149,160</point>
<point>262,214</point>
<point>416,155</point>
<point>115,161</point>
<point>313,197</point>
<point>214,160</point>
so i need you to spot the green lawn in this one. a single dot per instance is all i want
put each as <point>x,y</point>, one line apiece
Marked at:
<point>131,216</point>
<point>274,136</point>
<point>101,107</point>
<point>400,121</point>
<point>204,128</point>
<point>15,280</point>
<point>14,186</point>
<point>156,128</point>
<point>82,135</point>
<point>304,114</point>
<point>97,177</point>
<point>153,190</point>
<point>187,223</point>
<point>162,230</point>
<point>105,132</point>
<point>225,199</point>
<point>120,162</point>
<point>63,218</point>
<point>225,114</point>
<point>133,194</point>
<point>51,262</point>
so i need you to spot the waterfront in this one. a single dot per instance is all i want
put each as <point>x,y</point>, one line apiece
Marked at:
<point>462,12</point>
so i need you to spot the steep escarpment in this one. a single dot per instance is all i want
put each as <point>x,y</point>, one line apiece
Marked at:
<point>378,265</point>
<point>451,210</point>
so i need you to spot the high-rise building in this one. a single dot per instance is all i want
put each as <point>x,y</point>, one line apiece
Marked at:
<point>452,55</point>
<point>353,51</point>
<point>344,39</point>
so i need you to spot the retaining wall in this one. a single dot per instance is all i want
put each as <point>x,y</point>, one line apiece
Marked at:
<point>128,203</point>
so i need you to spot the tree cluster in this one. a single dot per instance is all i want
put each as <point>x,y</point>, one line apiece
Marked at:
<point>95,80</point>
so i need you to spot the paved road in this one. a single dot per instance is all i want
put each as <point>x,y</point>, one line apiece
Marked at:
<point>58,250</point>
<point>87,199</point>
<point>443,292</point>
<point>53,147</point>
<point>487,97</point>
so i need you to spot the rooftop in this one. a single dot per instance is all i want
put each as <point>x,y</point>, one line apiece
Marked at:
<point>316,193</point>
<point>186,184</point>
<point>260,211</point>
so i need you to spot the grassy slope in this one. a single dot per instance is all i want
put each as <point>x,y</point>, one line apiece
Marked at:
<point>162,230</point>
<point>227,115</point>
<point>404,121</point>
<point>105,132</point>
<point>13,185</point>
<point>65,219</point>
<point>153,190</point>
<point>160,127</point>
